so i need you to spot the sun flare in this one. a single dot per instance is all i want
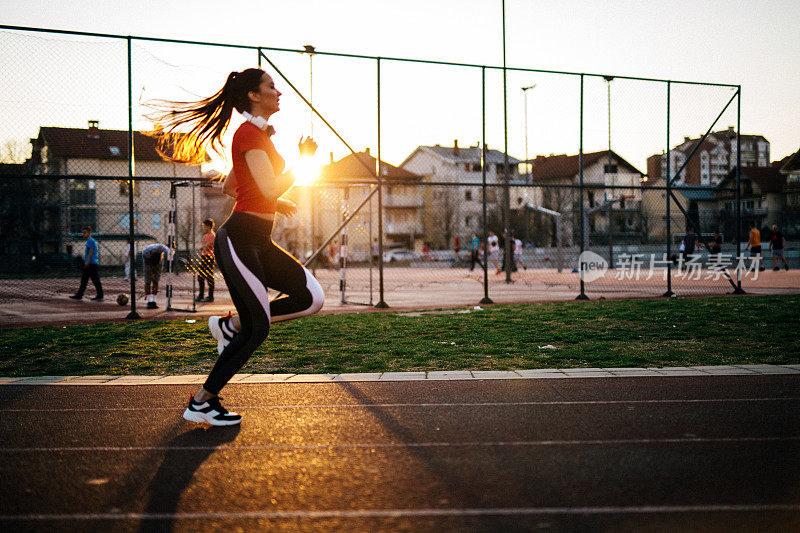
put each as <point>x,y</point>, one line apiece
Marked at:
<point>306,170</point>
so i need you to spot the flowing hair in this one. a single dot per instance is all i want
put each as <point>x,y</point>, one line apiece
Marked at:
<point>207,119</point>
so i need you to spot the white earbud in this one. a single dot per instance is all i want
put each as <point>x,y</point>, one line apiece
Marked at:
<point>258,122</point>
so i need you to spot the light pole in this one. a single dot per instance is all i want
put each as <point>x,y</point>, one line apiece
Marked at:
<point>310,50</point>
<point>525,95</point>
<point>609,167</point>
<point>506,178</point>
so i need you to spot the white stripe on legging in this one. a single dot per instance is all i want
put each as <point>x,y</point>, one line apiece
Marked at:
<point>317,299</point>
<point>256,287</point>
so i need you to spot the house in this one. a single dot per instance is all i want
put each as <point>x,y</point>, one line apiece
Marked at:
<point>93,165</point>
<point>713,159</point>
<point>620,219</point>
<point>340,189</point>
<point>789,167</point>
<point>456,212</point>
<point>700,204</point>
<point>762,195</point>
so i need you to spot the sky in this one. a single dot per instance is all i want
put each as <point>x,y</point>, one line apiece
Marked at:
<point>62,81</point>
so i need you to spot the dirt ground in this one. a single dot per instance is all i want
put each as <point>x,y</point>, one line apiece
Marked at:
<point>45,302</point>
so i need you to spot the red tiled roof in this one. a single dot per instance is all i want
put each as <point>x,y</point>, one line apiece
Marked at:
<point>97,144</point>
<point>566,166</point>
<point>768,179</point>
<point>349,167</point>
<point>788,163</point>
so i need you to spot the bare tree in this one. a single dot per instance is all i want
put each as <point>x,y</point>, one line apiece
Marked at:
<point>14,151</point>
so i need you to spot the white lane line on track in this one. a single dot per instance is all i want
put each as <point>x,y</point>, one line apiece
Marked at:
<point>387,405</point>
<point>412,513</point>
<point>390,445</point>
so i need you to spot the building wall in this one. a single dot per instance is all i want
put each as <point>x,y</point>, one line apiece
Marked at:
<point>447,213</point>
<point>151,204</point>
<point>654,208</point>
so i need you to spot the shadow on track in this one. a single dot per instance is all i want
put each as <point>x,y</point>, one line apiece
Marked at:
<point>460,492</point>
<point>177,470</point>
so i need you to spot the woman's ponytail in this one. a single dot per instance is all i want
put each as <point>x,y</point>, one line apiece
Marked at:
<point>207,119</point>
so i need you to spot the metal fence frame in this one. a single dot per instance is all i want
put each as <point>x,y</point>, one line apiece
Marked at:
<point>506,183</point>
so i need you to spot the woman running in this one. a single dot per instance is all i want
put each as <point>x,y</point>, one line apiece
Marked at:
<point>249,260</point>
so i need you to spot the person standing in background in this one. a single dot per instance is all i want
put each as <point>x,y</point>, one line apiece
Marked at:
<point>754,244</point>
<point>153,258</point>
<point>473,252</point>
<point>494,251</point>
<point>90,267</point>
<point>518,254</point>
<point>776,244</point>
<point>715,244</point>
<point>206,270</point>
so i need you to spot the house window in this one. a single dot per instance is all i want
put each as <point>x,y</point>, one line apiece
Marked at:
<point>591,199</point>
<point>82,192</point>
<point>124,220</point>
<point>467,221</point>
<point>476,167</point>
<point>156,189</point>
<point>610,168</point>
<point>491,195</point>
<point>468,196</point>
<point>156,220</point>
<point>519,201</point>
<point>82,216</point>
<point>114,150</point>
<point>123,188</point>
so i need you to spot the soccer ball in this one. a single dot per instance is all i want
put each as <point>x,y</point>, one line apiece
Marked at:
<point>122,299</point>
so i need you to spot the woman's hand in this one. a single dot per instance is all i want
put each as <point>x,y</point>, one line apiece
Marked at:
<point>286,208</point>
<point>307,147</point>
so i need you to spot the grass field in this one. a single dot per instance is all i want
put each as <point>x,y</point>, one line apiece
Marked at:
<point>637,333</point>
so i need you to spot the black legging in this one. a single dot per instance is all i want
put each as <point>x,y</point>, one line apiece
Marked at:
<point>250,262</point>
<point>206,273</point>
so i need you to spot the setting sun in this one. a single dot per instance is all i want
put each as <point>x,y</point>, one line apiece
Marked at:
<point>306,170</point>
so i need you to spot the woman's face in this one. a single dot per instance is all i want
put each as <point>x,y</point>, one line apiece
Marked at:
<point>267,98</point>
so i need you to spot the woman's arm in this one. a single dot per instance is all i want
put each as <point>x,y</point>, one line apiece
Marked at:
<point>229,185</point>
<point>270,185</point>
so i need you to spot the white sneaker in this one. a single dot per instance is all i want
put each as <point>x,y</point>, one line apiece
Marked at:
<point>210,412</point>
<point>221,330</point>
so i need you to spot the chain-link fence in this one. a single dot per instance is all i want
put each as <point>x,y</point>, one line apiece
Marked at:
<point>600,198</point>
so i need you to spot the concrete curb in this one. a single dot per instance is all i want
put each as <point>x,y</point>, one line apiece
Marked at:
<point>455,375</point>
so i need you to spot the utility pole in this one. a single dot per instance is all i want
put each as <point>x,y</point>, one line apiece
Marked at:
<point>310,50</point>
<point>525,95</point>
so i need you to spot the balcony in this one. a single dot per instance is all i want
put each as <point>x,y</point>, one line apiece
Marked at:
<point>403,228</point>
<point>402,200</point>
